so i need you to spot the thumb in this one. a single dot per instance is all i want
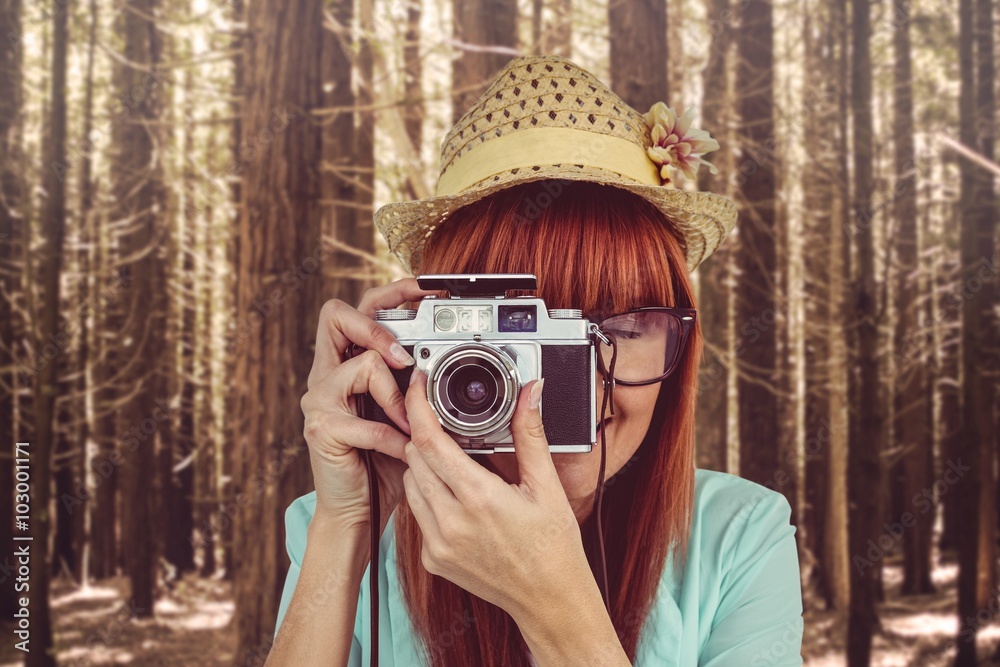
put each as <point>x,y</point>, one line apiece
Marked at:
<point>534,462</point>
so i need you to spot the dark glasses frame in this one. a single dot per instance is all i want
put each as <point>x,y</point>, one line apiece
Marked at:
<point>686,317</point>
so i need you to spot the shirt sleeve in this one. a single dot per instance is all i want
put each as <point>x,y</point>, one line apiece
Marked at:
<point>297,518</point>
<point>759,618</point>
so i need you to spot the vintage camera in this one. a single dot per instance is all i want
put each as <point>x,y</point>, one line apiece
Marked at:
<point>479,349</point>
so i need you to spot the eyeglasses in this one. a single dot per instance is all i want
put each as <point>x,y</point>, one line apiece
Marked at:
<point>650,341</point>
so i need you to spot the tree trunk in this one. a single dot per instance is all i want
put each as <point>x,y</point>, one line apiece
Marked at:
<point>12,233</point>
<point>413,84</point>
<point>911,393</point>
<point>986,225</point>
<point>280,229</point>
<point>638,36</point>
<point>756,283</point>
<point>490,27</point>
<point>818,187</point>
<point>103,474</point>
<point>225,530</point>
<point>136,174</point>
<point>950,346</point>
<point>207,471</point>
<point>976,540</point>
<point>179,547</point>
<point>360,235</point>
<point>84,514</point>
<point>50,262</point>
<point>711,427</point>
<point>864,464</point>
<point>552,31</point>
<point>339,143</point>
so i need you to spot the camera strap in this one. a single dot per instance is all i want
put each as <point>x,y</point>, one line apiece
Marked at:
<point>609,388</point>
<point>374,521</point>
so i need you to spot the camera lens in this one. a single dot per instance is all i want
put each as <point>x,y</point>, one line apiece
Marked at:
<point>474,389</point>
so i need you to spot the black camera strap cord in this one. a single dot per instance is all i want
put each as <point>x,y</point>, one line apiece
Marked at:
<point>375,523</point>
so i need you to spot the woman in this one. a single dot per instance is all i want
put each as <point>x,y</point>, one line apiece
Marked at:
<point>493,560</point>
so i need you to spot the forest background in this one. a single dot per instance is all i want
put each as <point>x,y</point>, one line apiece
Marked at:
<point>164,164</point>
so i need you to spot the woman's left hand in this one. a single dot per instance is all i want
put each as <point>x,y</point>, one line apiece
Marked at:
<point>517,546</point>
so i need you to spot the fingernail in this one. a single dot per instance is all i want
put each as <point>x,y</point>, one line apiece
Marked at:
<point>400,355</point>
<point>413,375</point>
<point>535,398</point>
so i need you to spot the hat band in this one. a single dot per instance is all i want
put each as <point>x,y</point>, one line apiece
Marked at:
<point>548,145</point>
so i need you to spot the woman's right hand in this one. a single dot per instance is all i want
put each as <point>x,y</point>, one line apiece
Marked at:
<point>333,430</point>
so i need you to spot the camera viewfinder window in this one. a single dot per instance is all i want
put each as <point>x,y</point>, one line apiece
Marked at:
<point>518,318</point>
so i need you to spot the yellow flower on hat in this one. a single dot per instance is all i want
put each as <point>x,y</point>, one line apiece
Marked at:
<point>676,145</point>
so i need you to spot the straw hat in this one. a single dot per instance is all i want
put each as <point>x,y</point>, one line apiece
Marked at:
<point>545,117</point>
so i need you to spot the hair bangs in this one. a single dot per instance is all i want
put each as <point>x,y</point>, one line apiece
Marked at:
<point>594,247</point>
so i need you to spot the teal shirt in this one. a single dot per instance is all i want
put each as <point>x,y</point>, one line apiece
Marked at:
<point>736,603</point>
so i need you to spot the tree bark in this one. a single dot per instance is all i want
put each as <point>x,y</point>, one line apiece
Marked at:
<point>413,84</point>
<point>986,225</point>
<point>136,176</point>
<point>179,549</point>
<point>552,33</point>
<point>490,28</point>
<point>50,262</point>
<point>711,427</point>
<point>909,370</point>
<point>239,44</point>
<point>84,514</point>
<point>864,463</point>
<point>11,234</point>
<point>756,306</point>
<point>639,52</point>
<point>818,186</point>
<point>280,229</point>
<point>340,141</point>
<point>976,540</point>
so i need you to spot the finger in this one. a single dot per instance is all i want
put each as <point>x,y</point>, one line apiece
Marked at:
<point>393,295</point>
<point>339,326</point>
<point>432,488</point>
<point>421,509</point>
<point>531,447</point>
<point>328,429</point>
<point>366,373</point>
<point>464,477</point>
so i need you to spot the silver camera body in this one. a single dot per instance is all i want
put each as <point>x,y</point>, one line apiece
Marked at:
<point>479,349</point>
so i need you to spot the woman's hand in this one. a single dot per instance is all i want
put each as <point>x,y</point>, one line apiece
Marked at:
<point>333,430</point>
<point>515,545</point>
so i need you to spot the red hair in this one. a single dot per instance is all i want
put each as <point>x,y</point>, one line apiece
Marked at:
<point>603,250</point>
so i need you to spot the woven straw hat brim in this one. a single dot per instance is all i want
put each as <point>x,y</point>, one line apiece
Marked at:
<point>543,117</point>
<point>700,220</point>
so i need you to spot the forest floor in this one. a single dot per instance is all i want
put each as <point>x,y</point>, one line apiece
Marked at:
<point>96,627</point>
